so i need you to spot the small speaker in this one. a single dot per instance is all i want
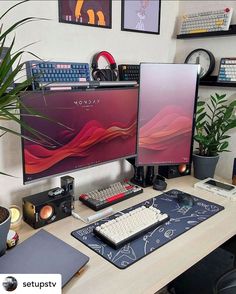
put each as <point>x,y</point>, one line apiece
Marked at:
<point>67,183</point>
<point>41,209</point>
<point>174,171</point>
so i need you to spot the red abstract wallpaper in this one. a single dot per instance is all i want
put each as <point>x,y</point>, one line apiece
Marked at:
<point>167,102</point>
<point>84,128</point>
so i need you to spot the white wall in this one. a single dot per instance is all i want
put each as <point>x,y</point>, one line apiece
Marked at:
<point>220,47</point>
<point>66,42</point>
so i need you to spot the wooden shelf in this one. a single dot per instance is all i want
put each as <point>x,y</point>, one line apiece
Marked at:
<point>231,31</point>
<point>212,81</point>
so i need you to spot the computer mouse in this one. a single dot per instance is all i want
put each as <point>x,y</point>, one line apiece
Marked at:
<point>159,183</point>
<point>185,199</point>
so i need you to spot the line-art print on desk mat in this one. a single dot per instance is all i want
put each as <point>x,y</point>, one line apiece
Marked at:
<point>182,219</point>
<point>95,13</point>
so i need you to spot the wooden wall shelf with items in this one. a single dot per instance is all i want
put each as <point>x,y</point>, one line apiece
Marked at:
<point>206,60</point>
<point>231,31</point>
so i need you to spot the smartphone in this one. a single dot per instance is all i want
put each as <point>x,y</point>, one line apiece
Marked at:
<point>220,185</point>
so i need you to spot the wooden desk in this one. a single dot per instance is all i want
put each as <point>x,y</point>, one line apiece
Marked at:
<point>158,268</point>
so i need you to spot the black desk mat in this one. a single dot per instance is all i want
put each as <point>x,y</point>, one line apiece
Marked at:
<point>182,219</point>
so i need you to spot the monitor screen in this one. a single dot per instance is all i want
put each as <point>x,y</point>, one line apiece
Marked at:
<point>167,99</point>
<point>82,128</point>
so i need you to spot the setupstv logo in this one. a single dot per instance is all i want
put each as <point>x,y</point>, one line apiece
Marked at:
<point>10,284</point>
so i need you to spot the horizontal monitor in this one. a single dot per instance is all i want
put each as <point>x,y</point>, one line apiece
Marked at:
<point>167,99</point>
<point>81,129</point>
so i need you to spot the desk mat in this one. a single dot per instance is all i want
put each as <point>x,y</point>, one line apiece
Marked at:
<point>182,219</point>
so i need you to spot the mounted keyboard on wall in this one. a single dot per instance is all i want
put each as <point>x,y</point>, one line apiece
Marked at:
<point>49,73</point>
<point>208,21</point>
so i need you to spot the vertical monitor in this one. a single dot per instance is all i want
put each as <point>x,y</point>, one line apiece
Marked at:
<point>167,99</point>
<point>80,129</point>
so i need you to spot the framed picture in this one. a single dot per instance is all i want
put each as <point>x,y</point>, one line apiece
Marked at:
<point>95,13</point>
<point>142,16</point>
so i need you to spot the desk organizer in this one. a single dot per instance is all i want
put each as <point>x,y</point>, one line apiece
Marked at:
<point>182,219</point>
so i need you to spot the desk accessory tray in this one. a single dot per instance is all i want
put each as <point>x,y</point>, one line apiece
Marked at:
<point>182,219</point>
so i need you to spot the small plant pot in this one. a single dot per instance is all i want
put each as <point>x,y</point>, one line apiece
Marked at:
<point>204,166</point>
<point>5,221</point>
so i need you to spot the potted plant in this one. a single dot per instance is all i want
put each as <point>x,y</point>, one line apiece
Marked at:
<point>214,118</point>
<point>10,68</point>
<point>5,220</point>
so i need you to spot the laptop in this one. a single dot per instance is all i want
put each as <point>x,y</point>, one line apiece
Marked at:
<point>43,253</point>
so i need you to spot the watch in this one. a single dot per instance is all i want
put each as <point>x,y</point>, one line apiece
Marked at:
<point>203,57</point>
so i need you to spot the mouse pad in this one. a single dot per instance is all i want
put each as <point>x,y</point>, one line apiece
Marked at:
<point>182,219</point>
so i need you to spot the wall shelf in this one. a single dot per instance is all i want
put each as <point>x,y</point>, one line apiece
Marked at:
<point>231,31</point>
<point>212,81</point>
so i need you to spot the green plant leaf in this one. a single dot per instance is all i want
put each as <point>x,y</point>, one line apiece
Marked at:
<point>212,128</point>
<point>209,107</point>
<point>200,103</point>
<point>200,117</point>
<point>228,113</point>
<point>233,104</point>
<point>220,97</point>
<point>213,99</point>
<point>230,126</point>
<point>12,7</point>
<point>200,110</point>
<point>200,125</point>
<point>224,137</point>
<point>10,96</point>
<point>224,146</point>
<point>221,102</point>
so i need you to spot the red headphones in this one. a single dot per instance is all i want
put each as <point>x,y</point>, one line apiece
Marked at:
<point>109,74</point>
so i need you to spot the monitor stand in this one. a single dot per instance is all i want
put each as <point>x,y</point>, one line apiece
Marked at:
<point>139,174</point>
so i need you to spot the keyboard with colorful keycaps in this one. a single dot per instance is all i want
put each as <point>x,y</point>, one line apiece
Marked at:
<point>102,198</point>
<point>56,72</point>
<point>227,71</point>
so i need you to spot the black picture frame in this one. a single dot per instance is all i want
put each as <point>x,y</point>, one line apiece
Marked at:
<point>134,12</point>
<point>93,13</point>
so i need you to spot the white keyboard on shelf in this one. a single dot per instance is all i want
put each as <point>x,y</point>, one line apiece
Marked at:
<point>129,226</point>
<point>208,21</point>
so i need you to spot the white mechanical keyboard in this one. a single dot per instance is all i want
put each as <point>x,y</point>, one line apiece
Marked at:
<point>208,21</point>
<point>129,226</point>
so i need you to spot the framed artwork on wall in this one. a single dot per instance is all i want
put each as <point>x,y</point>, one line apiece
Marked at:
<point>95,13</point>
<point>142,16</point>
